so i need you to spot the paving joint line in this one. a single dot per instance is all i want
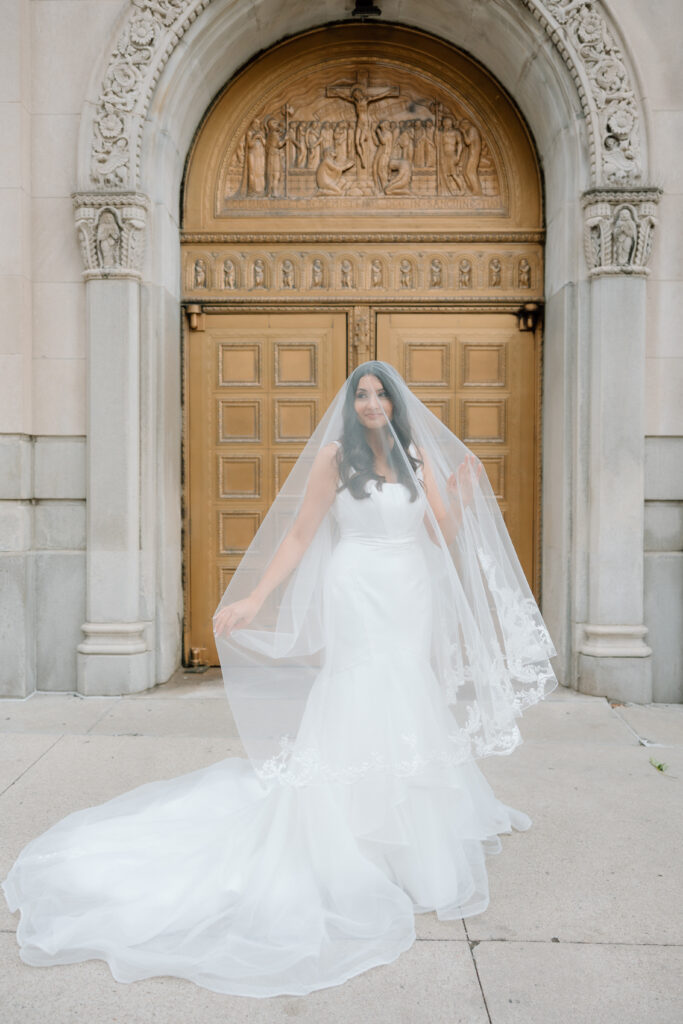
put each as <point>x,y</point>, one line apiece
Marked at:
<point>472,945</point>
<point>33,763</point>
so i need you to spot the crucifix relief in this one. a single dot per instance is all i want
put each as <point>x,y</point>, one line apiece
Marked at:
<point>362,94</point>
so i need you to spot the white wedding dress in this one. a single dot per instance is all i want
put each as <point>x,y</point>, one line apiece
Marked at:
<point>266,886</point>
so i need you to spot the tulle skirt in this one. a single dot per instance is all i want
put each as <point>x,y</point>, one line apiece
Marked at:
<point>259,887</point>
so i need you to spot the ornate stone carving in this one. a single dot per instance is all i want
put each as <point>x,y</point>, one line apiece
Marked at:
<point>588,46</point>
<point>153,28</point>
<point>382,133</point>
<point>360,337</point>
<point>111,231</point>
<point>349,272</point>
<point>147,39</point>
<point>618,229</point>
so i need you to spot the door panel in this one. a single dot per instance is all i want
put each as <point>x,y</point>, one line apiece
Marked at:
<point>258,385</point>
<point>477,373</point>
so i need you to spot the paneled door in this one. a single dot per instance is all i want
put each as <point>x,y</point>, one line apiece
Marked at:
<point>477,372</point>
<point>257,386</point>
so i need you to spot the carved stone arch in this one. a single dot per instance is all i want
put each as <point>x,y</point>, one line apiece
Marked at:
<point>150,32</point>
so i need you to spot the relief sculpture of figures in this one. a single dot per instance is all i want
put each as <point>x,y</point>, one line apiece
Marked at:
<point>376,274</point>
<point>361,94</point>
<point>345,140</point>
<point>199,280</point>
<point>451,176</point>
<point>624,237</point>
<point>435,274</point>
<point>317,273</point>
<point>471,137</point>
<point>346,273</point>
<point>229,275</point>
<point>259,273</point>
<point>109,240</point>
<point>254,177</point>
<point>275,143</point>
<point>329,176</point>
<point>287,274</point>
<point>494,273</point>
<point>524,276</point>
<point>465,274</point>
<point>406,274</point>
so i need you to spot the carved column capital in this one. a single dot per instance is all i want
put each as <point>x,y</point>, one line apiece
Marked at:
<point>111,230</point>
<point>618,229</point>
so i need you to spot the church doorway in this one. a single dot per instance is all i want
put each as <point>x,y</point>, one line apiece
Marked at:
<point>360,191</point>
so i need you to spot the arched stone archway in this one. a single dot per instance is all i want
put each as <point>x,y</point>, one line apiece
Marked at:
<point>563,66</point>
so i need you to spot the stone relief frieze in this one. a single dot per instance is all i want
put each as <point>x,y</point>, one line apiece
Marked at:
<point>349,273</point>
<point>111,233</point>
<point>618,229</point>
<point>352,133</point>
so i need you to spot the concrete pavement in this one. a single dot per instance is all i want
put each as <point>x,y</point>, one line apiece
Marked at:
<point>585,924</point>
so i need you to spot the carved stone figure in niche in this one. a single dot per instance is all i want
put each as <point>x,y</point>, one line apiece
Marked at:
<point>406,274</point>
<point>376,274</point>
<point>108,240</point>
<point>254,176</point>
<point>465,274</point>
<point>287,274</point>
<point>625,234</point>
<point>435,274</point>
<point>495,273</point>
<point>524,274</point>
<point>451,176</point>
<point>259,273</point>
<point>199,279</point>
<point>329,176</point>
<point>596,245</point>
<point>229,275</point>
<point>361,94</point>
<point>346,273</point>
<point>317,274</point>
<point>471,156</point>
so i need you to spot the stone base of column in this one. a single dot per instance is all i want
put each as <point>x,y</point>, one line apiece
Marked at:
<point>114,659</point>
<point>615,662</point>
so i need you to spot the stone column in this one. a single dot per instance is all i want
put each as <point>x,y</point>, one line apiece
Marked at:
<point>115,655</point>
<point>614,658</point>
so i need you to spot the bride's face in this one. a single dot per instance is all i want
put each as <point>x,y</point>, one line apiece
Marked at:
<point>372,404</point>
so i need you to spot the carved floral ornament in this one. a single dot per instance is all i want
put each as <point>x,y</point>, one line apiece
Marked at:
<point>577,28</point>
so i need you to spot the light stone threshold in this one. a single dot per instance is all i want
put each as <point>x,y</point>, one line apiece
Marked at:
<point>582,925</point>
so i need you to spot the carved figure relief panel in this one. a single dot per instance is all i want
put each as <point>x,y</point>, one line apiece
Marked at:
<point>377,126</point>
<point>238,273</point>
<point>369,129</point>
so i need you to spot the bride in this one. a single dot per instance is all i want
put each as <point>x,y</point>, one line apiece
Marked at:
<point>376,640</point>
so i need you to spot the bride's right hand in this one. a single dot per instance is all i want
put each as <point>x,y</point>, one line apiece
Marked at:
<point>242,612</point>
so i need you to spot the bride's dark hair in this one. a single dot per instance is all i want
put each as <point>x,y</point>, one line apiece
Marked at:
<point>355,456</point>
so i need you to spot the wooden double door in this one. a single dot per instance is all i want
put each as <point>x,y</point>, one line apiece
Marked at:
<point>257,384</point>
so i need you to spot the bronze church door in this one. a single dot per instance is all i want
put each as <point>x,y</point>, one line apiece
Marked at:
<point>359,190</point>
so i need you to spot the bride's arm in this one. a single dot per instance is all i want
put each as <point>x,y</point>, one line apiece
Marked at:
<point>448,520</point>
<point>320,493</point>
